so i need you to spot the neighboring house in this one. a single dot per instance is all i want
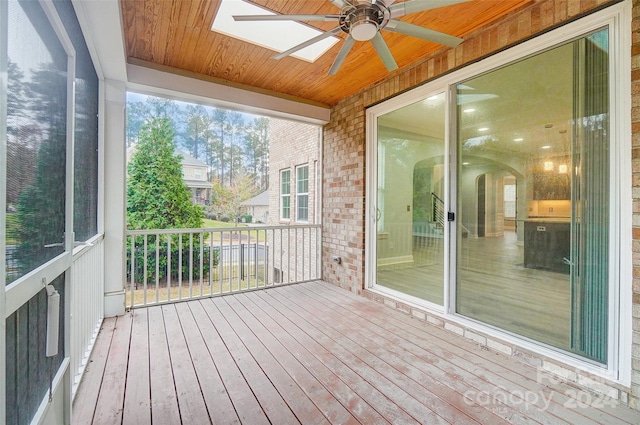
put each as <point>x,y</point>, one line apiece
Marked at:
<point>258,207</point>
<point>294,152</point>
<point>195,175</point>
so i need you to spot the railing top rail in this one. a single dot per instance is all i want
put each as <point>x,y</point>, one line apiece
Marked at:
<point>218,229</point>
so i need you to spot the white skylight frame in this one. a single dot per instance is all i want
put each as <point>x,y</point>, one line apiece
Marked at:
<point>275,35</point>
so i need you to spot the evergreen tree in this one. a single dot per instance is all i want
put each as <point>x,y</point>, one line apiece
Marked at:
<point>157,197</point>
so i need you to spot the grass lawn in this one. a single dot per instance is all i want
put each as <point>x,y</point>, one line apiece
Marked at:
<point>214,224</point>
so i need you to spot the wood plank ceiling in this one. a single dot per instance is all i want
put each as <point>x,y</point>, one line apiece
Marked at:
<point>175,35</point>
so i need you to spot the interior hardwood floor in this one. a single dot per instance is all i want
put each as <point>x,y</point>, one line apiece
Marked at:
<point>312,353</point>
<point>493,287</point>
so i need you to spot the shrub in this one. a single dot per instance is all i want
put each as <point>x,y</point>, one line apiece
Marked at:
<point>207,265</point>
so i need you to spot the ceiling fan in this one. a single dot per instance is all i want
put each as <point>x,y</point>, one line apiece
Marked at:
<point>362,21</point>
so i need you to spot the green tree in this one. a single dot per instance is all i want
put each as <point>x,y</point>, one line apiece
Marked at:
<point>137,113</point>
<point>198,132</point>
<point>227,199</point>
<point>256,151</point>
<point>157,197</point>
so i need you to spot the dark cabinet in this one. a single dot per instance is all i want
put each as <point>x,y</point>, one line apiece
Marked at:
<point>547,245</point>
<point>548,185</point>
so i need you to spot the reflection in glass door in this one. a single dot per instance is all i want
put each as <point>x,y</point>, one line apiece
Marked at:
<point>538,266</point>
<point>410,200</point>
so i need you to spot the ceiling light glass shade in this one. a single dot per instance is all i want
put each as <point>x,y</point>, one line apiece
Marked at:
<point>363,31</point>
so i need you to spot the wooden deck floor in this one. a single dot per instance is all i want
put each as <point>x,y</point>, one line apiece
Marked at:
<point>311,353</point>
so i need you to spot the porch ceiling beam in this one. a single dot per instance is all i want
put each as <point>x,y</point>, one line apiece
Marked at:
<point>181,86</point>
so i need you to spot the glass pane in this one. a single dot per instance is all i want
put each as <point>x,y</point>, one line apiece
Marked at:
<point>303,180</point>
<point>36,140</point>
<point>303,207</point>
<point>410,237</point>
<point>285,183</point>
<point>533,183</point>
<point>286,206</point>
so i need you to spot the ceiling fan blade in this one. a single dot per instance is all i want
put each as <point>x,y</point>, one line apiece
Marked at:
<point>413,6</point>
<point>308,43</point>
<point>325,18</point>
<point>342,54</point>
<point>423,33</point>
<point>384,52</point>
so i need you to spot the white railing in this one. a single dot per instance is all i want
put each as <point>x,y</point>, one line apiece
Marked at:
<point>180,264</point>
<point>87,303</point>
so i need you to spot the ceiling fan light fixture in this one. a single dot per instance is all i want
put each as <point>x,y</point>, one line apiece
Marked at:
<point>363,30</point>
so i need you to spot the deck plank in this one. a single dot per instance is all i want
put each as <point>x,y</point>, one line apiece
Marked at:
<point>278,325</point>
<point>416,399</point>
<point>244,401</point>
<point>299,403</point>
<point>213,390</point>
<point>312,388</point>
<point>84,404</point>
<point>391,401</point>
<point>310,353</point>
<point>461,362</point>
<point>270,399</point>
<point>499,369</point>
<point>415,370</point>
<point>193,409</point>
<point>137,407</point>
<point>164,401</point>
<point>111,399</point>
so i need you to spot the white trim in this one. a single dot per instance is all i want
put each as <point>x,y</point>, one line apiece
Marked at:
<point>3,200</point>
<point>298,194</point>
<point>165,84</point>
<point>101,25</point>
<point>317,216</point>
<point>114,162</point>
<point>281,195</point>
<point>48,412</point>
<point>25,288</point>
<point>621,170</point>
<point>100,204</point>
<point>618,18</point>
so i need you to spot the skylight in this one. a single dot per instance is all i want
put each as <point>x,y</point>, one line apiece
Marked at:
<point>278,36</point>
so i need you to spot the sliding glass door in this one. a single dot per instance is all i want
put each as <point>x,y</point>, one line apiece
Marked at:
<point>410,207</point>
<point>527,190</point>
<point>543,124</point>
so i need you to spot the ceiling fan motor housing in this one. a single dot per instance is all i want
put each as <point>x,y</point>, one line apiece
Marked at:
<point>364,20</point>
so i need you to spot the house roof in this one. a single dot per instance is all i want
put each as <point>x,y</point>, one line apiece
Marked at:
<point>198,184</point>
<point>260,200</point>
<point>187,159</point>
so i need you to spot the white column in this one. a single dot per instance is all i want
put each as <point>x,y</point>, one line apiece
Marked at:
<point>114,198</point>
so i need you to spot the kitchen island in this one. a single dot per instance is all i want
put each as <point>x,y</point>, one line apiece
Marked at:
<point>547,244</point>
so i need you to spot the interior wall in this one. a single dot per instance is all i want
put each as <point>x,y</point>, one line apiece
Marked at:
<point>344,150</point>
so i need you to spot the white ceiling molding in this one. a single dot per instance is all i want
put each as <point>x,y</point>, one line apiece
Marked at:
<point>154,82</point>
<point>100,21</point>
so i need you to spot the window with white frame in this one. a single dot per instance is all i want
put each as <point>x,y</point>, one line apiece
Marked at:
<point>302,193</point>
<point>285,194</point>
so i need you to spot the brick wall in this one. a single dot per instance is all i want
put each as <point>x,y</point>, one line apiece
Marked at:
<point>292,144</point>
<point>344,170</point>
